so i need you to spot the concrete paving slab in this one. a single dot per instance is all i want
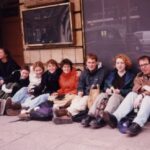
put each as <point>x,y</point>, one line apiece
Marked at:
<point>36,135</point>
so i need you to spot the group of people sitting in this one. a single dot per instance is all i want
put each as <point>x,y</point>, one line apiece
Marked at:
<point>65,94</point>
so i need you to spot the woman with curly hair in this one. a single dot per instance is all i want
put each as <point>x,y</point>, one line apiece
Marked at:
<point>116,86</point>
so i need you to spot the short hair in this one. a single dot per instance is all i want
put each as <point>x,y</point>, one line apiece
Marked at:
<point>53,62</point>
<point>66,62</point>
<point>6,51</point>
<point>91,56</point>
<point>126,60</point>
<point>38,64</point>
<point>25,67</point>
<point>144,57</point>
<point>78,69</point>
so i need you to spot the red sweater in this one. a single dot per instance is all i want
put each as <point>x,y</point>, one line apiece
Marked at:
<point>68,83</point>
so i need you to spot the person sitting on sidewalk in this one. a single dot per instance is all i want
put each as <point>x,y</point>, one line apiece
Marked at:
<point>116,86</point>
<point>92,75</point>
<point>14,82</point>
<point>138,98</point>
<point>61,97</point>
<point>17,80</point>
<point>25,93</point>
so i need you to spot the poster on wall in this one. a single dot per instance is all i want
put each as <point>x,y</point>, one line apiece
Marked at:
<point>114,26</point>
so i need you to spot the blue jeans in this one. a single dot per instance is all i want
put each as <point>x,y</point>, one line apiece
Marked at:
<point>21,95</point>
<point>36,101</point>
<point>127,106</point>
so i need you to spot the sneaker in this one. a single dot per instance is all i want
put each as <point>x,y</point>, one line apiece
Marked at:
<point>62,120</point>
<point>86,121</point>
<point>97,123</point>
<point>12,112</point>
<point>110,119</point>
<point>24,116</point>
<point>134,129</point>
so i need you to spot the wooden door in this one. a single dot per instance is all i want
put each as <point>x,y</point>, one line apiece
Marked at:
<point>12,38</point>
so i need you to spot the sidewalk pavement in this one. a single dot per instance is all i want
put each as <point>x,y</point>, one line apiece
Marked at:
<point>36,135</point>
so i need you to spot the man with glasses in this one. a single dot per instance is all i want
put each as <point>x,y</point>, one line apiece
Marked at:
<point>139,99</point>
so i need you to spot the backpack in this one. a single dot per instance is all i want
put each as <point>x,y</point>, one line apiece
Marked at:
<point>43,113</point>
<point>94,92</point>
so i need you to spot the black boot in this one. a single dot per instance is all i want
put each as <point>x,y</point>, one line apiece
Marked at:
<point>97,123</point>
<point>134,129</point>
<point>110,119</point>
<point>86,121</point>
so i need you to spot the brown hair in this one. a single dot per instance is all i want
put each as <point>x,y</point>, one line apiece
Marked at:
<point>25,67</point>
<point>38,64</point>
<point>126,60</point>
<point>53,62</point>
<point>91,56</point>
<point>66,62</point>
<point>144,57</point>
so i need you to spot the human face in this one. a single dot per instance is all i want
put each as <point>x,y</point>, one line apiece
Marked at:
<point>120,65</point>
<point>91,64</point>
<point>66,68</point>
<point>2,54</point>
<point>24,74</point>
<point>51,68</point>
<point>38,71</point>
<point>145,66</point>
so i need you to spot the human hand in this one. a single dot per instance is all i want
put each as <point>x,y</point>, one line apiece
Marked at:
<point>116,91</point>
<point>30,90</point>
<point>146,88</point>
<point>54,94</point>
<point>109,91</point>
<point>80,93</point>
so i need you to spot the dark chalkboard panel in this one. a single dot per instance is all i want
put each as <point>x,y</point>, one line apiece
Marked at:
<point>117,26</point>
<point>50,25</point>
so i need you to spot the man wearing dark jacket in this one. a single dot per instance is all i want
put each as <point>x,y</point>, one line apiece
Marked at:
<point>17,80</point>
<point>92,75</point>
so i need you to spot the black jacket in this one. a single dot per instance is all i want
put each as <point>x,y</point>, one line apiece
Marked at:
<point>128,83</point>
<point>15,77</point>
<point>87,79</point>
<point>7,68</point>
<point>49,83</point>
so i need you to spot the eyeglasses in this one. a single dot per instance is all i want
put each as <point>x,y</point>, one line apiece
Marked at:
<point>143,65</point>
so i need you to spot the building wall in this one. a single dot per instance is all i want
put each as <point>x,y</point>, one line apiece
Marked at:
<point>74,53</point>
<point>11,38</point>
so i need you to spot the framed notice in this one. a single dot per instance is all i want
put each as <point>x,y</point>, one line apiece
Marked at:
<point>48,25</point>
